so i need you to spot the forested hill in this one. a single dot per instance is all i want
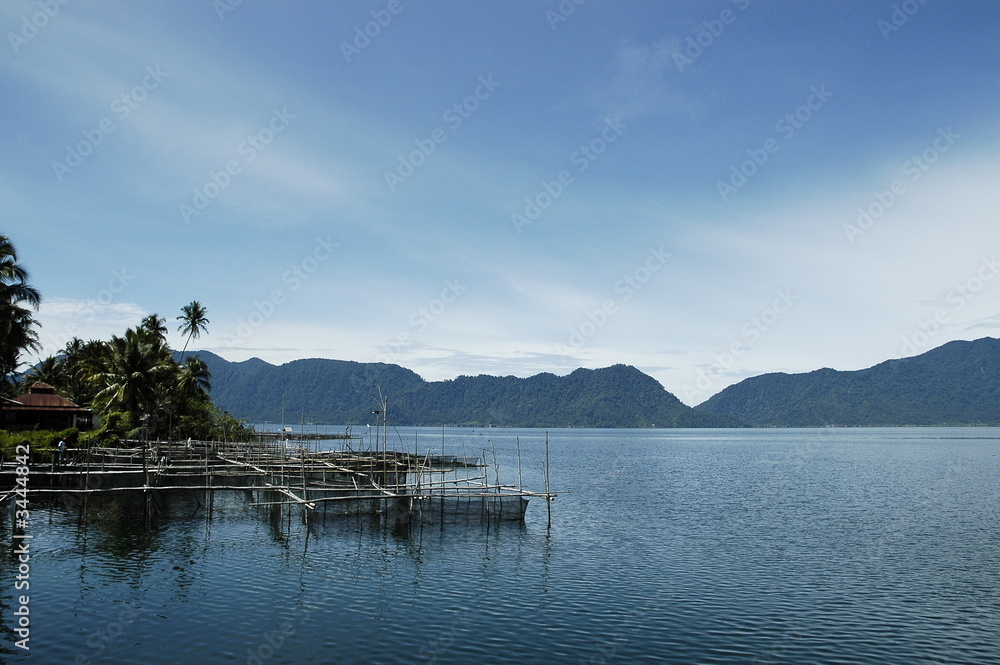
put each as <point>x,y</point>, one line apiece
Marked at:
<point>955,384</point>
<point>337,391</point>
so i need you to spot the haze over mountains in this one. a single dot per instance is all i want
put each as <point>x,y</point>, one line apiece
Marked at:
<point>955,384</point>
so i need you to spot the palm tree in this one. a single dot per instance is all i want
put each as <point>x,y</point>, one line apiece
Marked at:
<point>74,348</point>
<point>50,370</point>
<point>17,335</point>
<point>14,277</point>
<point>193,322</point>
<point>17,300</point>
<point>193,378</point>
<point>155,324</point>
<point>80,361</point>
<point>183,399</point>
<point>129,377</point>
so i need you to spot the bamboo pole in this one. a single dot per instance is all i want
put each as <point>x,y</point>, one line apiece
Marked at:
<point>104,490</point>
<point>520,483</point>
<point>476,495</point>
<point>548,498</point>
<point>263,461</point>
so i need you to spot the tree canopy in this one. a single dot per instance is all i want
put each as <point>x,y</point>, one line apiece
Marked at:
<point>138,386</point>
<point>134,382</point>
<point>18,302</point>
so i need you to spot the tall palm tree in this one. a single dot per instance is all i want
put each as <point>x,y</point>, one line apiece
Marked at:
<point>17,300</point>
<point>155,324</point>
<point>193,321</point>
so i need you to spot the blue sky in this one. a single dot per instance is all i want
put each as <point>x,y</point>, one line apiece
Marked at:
<point>705,190</point>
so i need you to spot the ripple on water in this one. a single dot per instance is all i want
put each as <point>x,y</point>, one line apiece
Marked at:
<point>722,547</point>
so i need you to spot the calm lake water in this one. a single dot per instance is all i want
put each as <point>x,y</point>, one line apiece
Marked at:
<point>669,546</point>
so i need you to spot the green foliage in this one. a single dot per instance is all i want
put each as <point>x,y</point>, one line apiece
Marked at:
<point>18,301</point>
<point>342,392</point>
<point>194,321</point>
<point>955,384</point>
<point>100,437</point>
<point>134,382</point>
<point>117,424</point>
<point>42,443</point>
<point>226,427</point>
<point>137,386</point>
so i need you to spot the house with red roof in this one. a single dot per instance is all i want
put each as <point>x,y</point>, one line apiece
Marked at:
<point>41,407</point>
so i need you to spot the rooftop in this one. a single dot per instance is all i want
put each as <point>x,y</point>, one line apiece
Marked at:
<point>43,396</point>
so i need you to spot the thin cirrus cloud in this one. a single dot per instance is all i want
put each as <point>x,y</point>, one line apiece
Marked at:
<point>534,294</point>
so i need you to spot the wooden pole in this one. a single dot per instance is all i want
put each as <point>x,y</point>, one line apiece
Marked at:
<point>385,441</point>
<point>548,498</point>
<point>520,484</point>
<point>443,476</point>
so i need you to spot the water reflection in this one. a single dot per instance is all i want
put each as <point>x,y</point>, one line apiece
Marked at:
<point>781,546</point>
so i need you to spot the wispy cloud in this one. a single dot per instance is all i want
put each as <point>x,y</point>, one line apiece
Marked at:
<point>62,319</point>
<point>322,176</point>
<point>990,323</point>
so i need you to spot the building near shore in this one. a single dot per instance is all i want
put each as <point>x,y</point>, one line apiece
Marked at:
<point>41,407</point>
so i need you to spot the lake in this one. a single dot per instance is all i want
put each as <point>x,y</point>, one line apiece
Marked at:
<point>665,546</point>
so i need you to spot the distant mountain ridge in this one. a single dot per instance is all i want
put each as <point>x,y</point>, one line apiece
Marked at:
<point>341,392</point>
<point>957,383</point>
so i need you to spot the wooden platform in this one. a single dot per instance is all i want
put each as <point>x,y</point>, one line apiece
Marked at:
<point>405,485</point>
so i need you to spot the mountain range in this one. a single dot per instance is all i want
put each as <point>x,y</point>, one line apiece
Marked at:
<point>346,392</point>
<point>955,384</point>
